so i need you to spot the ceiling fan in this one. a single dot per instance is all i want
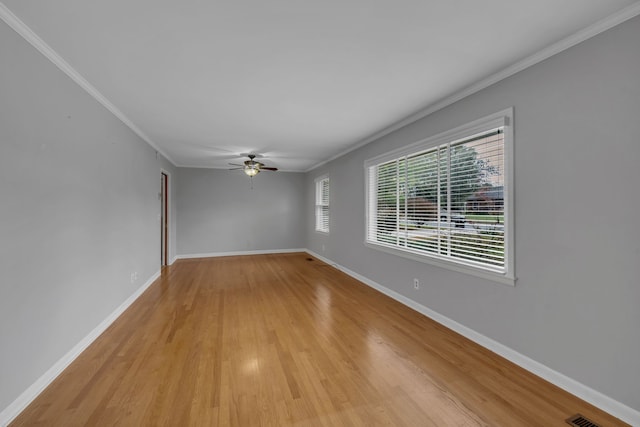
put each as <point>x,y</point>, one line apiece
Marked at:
<point>252,167</point>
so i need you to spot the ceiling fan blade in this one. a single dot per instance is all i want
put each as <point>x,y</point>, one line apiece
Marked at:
<point>235,164</point>
<point>264,168</point>
<point>235,169</point>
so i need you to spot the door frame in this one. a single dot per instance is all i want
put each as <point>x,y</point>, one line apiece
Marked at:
<point>165,200</point>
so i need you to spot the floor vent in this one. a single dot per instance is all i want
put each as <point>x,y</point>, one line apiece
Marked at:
<point>580,421</point>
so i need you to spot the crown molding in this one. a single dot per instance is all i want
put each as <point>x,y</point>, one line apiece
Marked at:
<point>30,36</point>
<point>598,27</point>
<point>592,30</point>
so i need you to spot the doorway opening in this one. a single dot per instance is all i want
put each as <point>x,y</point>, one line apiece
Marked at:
<point>164,220</point>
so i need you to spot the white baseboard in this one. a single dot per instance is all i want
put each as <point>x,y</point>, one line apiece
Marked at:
<point>607,404</point>
<point>588,394</point>
<point>18,405</point>
<point>236,253</point>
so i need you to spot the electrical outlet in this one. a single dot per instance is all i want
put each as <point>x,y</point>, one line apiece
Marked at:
<point>416,284</point>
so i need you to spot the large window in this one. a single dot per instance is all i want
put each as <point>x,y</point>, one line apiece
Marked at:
<point>322,204</point>
<point>447,200</point>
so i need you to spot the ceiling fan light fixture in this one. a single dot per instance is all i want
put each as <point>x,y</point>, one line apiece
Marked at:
<point>251,170</point>
<point>251,167</point>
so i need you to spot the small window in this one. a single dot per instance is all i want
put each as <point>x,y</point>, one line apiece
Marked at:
<point>322,204</point>
<point>446,200</point>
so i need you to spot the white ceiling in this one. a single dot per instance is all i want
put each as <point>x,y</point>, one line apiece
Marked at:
<point>295,80</point>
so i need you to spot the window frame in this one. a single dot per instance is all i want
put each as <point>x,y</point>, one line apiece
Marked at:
<point>502,119</point>
<point>319,204</point>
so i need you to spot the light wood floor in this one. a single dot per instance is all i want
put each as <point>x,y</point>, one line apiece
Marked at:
<point>279,340</point>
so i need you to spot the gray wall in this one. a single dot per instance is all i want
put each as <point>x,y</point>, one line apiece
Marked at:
<point>78,214</point>
<point>577,151</point>
<point>219,212</point>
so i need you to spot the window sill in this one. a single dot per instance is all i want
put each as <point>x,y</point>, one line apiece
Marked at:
<point>504,278</point>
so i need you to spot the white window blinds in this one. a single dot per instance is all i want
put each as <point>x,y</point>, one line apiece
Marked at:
<point>445,202</point>
<point>322,204</point>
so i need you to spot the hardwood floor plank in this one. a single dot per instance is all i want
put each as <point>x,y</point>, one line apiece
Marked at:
<point>286,340</point>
